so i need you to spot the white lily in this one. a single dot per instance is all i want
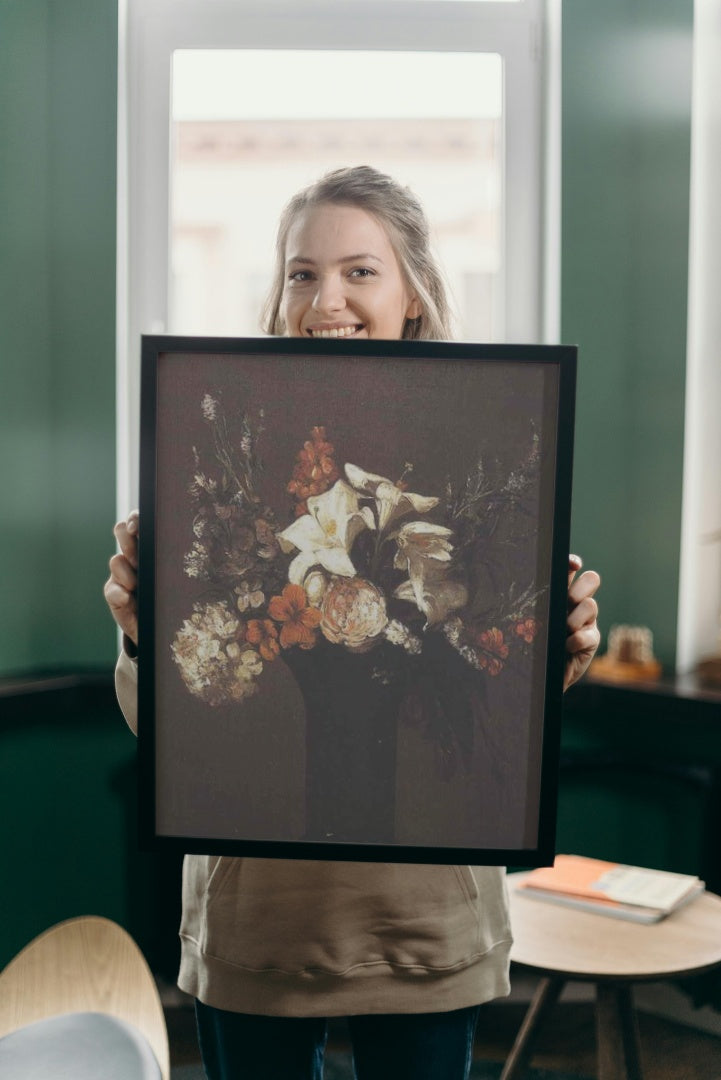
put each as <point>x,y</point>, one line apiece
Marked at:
<point>392,503</point>
<point>325,535</point>
<point>424,551</point>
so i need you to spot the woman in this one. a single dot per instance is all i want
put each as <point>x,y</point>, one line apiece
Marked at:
<point>271,948</point>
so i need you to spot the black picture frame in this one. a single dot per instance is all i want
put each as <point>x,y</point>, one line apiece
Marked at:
<point>441,472</point>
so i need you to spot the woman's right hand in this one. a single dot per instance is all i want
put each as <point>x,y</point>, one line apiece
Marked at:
<point>121,587</point>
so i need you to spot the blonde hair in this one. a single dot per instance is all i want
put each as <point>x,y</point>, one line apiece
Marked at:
<point>400,212</point>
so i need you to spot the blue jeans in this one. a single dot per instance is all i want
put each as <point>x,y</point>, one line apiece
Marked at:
<point>415,1046</point>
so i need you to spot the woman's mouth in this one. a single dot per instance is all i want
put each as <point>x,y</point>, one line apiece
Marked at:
<point>335,331</point>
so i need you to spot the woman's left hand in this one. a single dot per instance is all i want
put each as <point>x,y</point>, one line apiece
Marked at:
<point>583,636</point>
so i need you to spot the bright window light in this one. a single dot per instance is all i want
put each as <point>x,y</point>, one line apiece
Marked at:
<point>220,84</point>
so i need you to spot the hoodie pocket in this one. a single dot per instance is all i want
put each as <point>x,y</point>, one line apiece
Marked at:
<point>202,876</point>
<point>468,884</point>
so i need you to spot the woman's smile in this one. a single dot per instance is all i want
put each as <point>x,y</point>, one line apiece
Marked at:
<point>335,331</point>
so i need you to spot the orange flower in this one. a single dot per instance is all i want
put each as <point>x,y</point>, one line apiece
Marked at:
<point>315,469</point>
<point>492,641</point>
<point>262,633</point>
<point>527,629</point>
<point>298,618</point>
<point>494,650</point>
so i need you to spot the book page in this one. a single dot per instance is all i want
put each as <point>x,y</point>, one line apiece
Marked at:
<point>652,888</point>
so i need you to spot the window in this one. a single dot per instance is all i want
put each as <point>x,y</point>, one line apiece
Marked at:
<point>235,161</point>
<point>227,107</point>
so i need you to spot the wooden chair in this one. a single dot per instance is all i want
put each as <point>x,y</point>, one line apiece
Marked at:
<point>87,967</point>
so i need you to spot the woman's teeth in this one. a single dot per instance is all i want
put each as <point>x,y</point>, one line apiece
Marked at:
<point>337,331</point>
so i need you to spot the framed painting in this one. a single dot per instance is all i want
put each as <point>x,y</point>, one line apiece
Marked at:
<point>352,597</point>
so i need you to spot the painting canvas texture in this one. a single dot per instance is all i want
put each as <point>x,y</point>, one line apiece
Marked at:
<point>350,596</point>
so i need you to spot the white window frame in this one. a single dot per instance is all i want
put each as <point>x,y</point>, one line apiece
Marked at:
<point>526,34</point>
<point>699,596</point>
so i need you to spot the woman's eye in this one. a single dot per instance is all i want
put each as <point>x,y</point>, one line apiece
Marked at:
<point>300,276</point>
<point>362,272</point>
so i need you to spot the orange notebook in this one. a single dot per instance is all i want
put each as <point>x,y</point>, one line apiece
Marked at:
<point>632,892</point>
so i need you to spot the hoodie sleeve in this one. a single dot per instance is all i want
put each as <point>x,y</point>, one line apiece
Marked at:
<point>126,688</point>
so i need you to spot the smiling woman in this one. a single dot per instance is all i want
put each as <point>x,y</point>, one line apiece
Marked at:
<point>337,293</point>
<point>372,616</point>
<point>353,259</point>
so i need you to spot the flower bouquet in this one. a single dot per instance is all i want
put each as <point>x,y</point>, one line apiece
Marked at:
<point>411,588</point>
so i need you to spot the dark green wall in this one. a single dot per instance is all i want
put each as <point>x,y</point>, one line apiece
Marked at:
<point>68,807</point>
<point>67,762</point>
<point>58,73</point>
<point>626,145</point>
<point>641,778</point>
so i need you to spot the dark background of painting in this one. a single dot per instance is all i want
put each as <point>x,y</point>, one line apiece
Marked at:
<point>237,771</point>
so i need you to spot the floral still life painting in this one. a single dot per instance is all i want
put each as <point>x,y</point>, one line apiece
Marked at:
<point>359,559</point>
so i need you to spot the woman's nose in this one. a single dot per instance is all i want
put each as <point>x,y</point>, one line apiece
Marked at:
<point>329,296</point>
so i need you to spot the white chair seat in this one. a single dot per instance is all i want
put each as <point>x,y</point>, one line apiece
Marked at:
<point>78,1046</point>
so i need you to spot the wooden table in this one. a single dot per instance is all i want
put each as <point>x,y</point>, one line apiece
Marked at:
<point>563,944</point>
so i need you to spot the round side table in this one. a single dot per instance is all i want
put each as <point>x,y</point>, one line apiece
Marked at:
<point>563,944</point>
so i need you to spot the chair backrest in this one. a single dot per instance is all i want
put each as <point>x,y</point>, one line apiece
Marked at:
<point>88,964</point>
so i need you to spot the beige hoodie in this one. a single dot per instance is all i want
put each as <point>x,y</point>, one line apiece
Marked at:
<point>284,937</point>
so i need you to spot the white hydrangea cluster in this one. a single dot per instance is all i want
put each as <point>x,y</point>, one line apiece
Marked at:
<point>215,664</point>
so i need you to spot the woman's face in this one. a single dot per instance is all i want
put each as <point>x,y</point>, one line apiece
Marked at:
<point>342,277</point>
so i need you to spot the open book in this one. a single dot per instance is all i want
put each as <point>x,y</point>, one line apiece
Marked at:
<point>608,888</point>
